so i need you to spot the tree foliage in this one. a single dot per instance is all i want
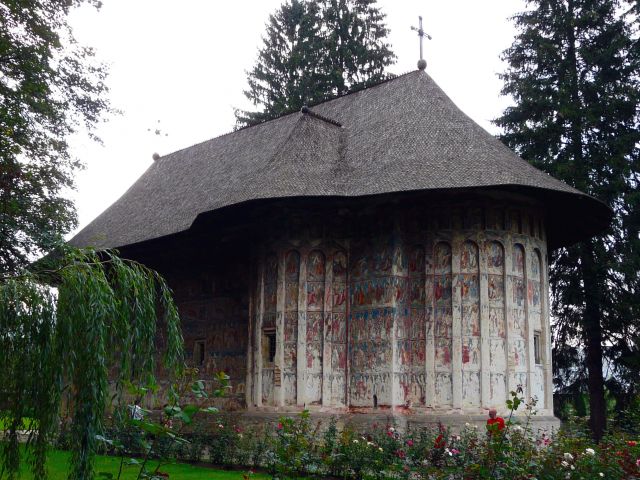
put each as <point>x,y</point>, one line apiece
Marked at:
<point>574,73</point>
<point>49,88</point>
<point>88,338</point>
<point>313,51</point>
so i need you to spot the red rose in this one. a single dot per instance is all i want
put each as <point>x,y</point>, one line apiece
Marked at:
<point>440,443</point>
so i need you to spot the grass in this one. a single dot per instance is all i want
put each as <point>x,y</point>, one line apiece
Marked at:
<point>59,460</point>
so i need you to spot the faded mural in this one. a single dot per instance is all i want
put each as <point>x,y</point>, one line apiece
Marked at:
<point>438,312</point>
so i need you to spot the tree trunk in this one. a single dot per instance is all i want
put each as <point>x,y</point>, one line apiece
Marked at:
<point>592,329</point>
<point>593,343</point>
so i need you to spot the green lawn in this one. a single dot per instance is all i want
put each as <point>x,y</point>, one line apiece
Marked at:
<point>58,461</point>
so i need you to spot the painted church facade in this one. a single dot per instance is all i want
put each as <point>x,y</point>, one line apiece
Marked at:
<point>378,254</point>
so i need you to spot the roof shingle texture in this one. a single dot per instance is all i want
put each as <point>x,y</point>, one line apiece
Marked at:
<point>401,135</point>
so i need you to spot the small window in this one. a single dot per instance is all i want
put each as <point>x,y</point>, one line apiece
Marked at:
<point>198,352</point>
<point>269,345</point>
<point>537,348</point>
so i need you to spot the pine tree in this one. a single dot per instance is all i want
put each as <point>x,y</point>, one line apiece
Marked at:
<point>573,71</point>
<point>358,53</point>
<point>313,51</point>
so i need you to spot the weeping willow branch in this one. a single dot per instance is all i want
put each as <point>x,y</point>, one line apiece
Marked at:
<point>99,324</point>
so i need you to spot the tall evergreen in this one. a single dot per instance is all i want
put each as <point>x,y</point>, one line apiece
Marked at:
<point>356,49</point>
<point>315,50</point>
<point>573,71</point>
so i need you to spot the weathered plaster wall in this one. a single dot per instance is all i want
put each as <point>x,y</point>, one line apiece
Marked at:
<point>432,309</point>
<point>213,306</point>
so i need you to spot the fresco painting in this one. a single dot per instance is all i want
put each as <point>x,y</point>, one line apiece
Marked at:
<point>442,256</point>
<point>535,264</point>
<point>517,290</point>
<point>495,257</point>
<point>495,287</point>
<point>518,259</point>
<point>443,389</point>
<point>316,266</point>
<point>339,267</point>
<point>417,261</point>
<point>469,287</point>
<point>517,323</point>
<point>290,344</point>
<point>337,329</point>
<point>471,388</point>
<point>443,352</point>
<point>442,288</point>
<point>518,352</point>
<point>384,312</point>
<point>471,319</point>
<point>533,294</point>
<point>315,296</point>
<point>497,389</point>
<point>471,352</point>
<point>497,354</point>
<point>496,322</point>
<point>469,257</point>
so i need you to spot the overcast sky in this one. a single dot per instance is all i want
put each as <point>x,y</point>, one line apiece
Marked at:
<point>183,63</point>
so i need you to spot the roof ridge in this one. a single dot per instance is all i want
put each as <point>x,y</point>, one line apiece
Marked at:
<point>391,78</point>
<point>306,110</point>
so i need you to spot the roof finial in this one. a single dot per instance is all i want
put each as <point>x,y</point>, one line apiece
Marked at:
<point>422,63</point>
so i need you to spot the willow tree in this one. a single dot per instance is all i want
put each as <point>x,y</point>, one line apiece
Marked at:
<point>93,333</point>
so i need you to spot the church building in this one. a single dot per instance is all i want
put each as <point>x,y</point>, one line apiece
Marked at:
<point>376,254</point>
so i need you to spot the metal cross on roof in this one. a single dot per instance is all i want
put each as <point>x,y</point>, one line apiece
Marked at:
<point>421,33</point>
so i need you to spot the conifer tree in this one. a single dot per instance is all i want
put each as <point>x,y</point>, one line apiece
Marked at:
<point>356,47</point>
<point>313,51</point>
<point>573,71</point>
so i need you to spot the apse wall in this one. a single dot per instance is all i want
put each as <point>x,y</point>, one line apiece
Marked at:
<point>426,310</point>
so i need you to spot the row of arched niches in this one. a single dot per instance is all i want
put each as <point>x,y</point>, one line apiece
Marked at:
<point>452,320</point>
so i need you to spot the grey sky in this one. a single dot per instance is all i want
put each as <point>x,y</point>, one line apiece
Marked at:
<point>184,63</point>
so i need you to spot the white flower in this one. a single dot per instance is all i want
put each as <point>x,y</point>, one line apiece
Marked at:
<point>475,426</point>
<point>601,474</point>
<point>572,467</point>
<point>467,424</point>
<point>568,456</point>
<point>456,437</point>
<point>380,448</point>
<point>590,451</point>
<point>517,428</point>
<point>391,429</point>
<point>564,464</point>
<point>370,444</point>
<point>355,441</point>
<point>448,452</point>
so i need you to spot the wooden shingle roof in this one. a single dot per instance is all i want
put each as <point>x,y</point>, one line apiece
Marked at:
<point>403,135</point>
